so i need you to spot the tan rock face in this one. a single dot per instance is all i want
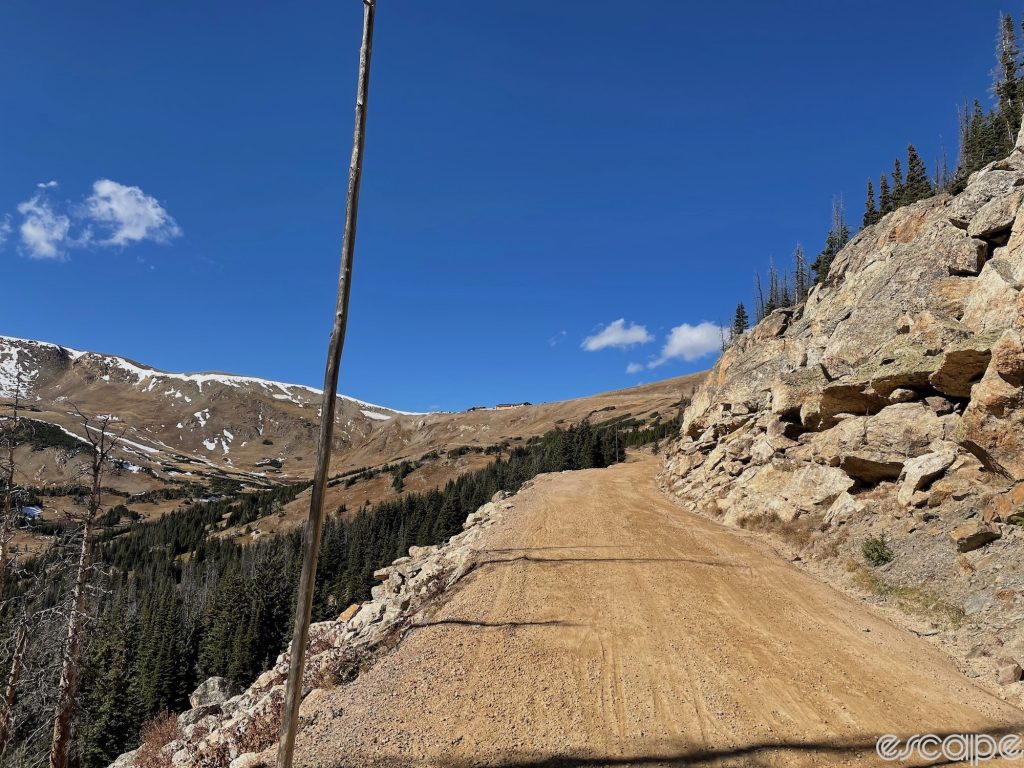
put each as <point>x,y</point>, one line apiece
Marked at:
<point>993,302</point>
<point>908,316</point>
<point>993,424</point>
<point>874,448</point>
<point>891,401</point>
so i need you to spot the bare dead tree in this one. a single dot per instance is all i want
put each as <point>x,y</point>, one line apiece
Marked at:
<point>943,176</point>
<point>10,690</point>
<point>103,440</point>
<point>10,435</point>
<point>760,312</point>
<point>34,624</point>
<point>9,441</point>
<point>314,524</point>
<point>801,277</point>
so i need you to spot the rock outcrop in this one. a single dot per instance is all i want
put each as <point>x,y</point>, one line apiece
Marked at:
<point>223,729</point>
<point>890,402</point>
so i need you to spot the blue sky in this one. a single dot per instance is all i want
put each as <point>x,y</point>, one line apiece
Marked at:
<point>534,173</point>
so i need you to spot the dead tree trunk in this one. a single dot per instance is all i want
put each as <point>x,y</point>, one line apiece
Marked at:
<point>103,444</point>
<point>60,751</point>
<point>10,471</point>
<point>314,524</point>
<point>17,662</point>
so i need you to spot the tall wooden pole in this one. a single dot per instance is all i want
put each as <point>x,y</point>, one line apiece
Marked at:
<point>314,524</point>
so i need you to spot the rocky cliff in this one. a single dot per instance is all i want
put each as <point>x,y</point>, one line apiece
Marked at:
<point>888,408</point>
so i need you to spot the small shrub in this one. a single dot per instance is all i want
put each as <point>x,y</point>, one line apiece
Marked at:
<point>876,551</point>
<point>267,441</point>
<point>156,734</point>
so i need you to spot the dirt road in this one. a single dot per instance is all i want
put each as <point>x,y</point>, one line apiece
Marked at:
<point>605,626</point>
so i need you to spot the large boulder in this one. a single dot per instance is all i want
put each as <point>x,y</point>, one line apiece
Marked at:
<point>784,490</point>
<point>1004,506</point>
<point>215,690</point>
<point>983,187</point>
<point>875,448</point>
<point>922,470</point>
<point>973,535</point>
<point>992,427</point>
<point>993,301</point>
<point>995,217</point>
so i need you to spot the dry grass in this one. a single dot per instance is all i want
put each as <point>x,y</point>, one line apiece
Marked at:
<point>156,734</point>
<point>798,533</point>
<point>917,601</point>
<point>264,729</point>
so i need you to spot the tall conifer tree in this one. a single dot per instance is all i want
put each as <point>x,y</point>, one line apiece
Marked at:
<point>917,185</point>
<point>1008,84</point>
<point>740,321</point>
<point>870,212</point>
<point>884,196</point>
<point>898,189</point>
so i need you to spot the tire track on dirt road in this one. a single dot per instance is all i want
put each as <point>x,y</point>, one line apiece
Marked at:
<point>603,625</point>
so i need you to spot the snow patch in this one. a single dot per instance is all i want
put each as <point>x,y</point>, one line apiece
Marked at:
<point>296,393</point>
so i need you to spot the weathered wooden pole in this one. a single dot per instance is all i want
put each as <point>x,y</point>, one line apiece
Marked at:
<point>314,523</point>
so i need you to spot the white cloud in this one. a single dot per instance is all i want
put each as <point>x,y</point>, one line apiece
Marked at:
<point>690,342</point>
<point>618,335</point>
<point>130,214</point>
<point>124,214</point>
<point>554,340</point>
<point>634,368</point>
<point>44,232</point>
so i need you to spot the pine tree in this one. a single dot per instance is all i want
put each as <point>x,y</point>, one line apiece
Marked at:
<point>774,288</point>
<point>111,706</point>
<point>785,295</point>
<point>870,212</point>
<point>898,189</point>
<point>917,186</point>
<point>884,196</point>
<point>838,236</point>
<point>1008,86</point>
<point>740,321</point>
<point>972,144</point>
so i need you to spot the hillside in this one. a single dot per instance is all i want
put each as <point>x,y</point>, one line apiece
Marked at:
<point>193,433</point>
<point>877,427</point>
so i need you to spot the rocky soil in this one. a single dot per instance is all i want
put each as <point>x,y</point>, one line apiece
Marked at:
<point>888,410</point>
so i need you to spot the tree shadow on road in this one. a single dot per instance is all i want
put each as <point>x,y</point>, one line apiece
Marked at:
<point>493,624</point>
<point>855,751</point>
<point>566,546</point>
<point>638,560</point>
